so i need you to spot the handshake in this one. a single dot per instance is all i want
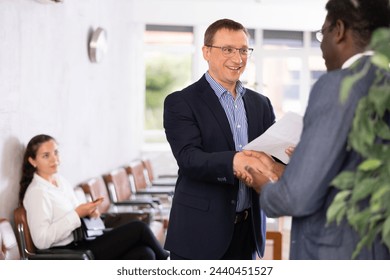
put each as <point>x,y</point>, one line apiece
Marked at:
<point>256,169</point>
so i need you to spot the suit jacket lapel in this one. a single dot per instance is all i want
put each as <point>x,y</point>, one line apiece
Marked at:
<point>213,104</point>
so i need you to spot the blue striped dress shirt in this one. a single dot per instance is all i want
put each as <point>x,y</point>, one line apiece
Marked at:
<point>236,114</point>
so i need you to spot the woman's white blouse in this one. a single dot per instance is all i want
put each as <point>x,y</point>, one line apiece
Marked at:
<point>51,214</point>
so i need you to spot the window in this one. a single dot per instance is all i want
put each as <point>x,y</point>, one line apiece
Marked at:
<point>168,60</point>
<point>275,39</point>
<point>282,83</point>
<point>317,68</point>
<point>288,65</point>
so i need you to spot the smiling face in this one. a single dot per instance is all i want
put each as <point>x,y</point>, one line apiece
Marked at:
<point>47,160</point>
<point>226,70</point>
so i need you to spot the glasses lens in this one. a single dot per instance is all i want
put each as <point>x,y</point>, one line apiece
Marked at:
<point>228,51</point>
<point>249,52</point>
<point>319,36</point>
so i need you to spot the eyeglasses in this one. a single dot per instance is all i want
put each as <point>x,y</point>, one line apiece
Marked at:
<point>320,33</point>
<point>231,51</point>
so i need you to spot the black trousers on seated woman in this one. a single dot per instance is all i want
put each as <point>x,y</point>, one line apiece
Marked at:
<point>131,241</point>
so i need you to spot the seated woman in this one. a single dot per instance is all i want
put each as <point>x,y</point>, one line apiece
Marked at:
<point>53,211</point>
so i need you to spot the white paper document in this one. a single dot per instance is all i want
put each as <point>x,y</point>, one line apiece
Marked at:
<point>282,134</point>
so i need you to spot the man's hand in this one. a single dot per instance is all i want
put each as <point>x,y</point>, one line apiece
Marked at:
<point>258,180</point>
<point>269,167</point>
<point>259,169</point>
<point>259,161</point>
<point>290,150</point>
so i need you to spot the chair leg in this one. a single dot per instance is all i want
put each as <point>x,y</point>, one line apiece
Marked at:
<point>276,237</point>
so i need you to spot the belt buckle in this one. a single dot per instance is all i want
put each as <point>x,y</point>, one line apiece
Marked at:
<point>246,214</point>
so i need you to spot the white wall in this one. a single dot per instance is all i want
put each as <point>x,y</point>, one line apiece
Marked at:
<point>48,85</point>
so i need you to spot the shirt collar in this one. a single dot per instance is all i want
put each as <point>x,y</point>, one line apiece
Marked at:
<point>44,181</point>
<point>354,58</point>
<point>220,90</point>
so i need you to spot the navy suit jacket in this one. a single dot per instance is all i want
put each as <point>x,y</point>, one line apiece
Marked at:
<point>201,222</point>
<point>305,191</point>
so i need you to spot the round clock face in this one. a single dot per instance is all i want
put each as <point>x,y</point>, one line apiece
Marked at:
<point>98,45</point>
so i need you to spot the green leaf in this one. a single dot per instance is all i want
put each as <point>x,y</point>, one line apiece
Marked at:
<point>379,96</point>
<point>360,221</point>
<point>380,41</point>
<point>344,180</point>
<point>362,134</point>
<point>363,189</point>
<point>347,84</point>
<point>369,164</point>
<point>376,221</point>
<point>382,152</point>
<point>380,193</point>
<point>383,130</point>
<point>386,232</point>
<point>359,247</point>
<point>338,208</point>
<point>336,212</point>
<point>377,202</point>
<point>380,60</point>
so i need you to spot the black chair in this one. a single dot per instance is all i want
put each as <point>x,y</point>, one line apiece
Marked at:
<point>28,251</point>
<point>162,194</point>
<point>136,173</point>
<point>122,197</point>
<point>112,214</point>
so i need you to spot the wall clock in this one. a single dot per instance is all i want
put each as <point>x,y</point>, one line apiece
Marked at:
<point>97,45</point>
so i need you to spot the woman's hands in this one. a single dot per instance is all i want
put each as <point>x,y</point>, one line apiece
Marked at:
<point>89,209</point>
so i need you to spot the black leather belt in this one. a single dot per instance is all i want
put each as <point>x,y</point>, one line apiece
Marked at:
<point>241,216</point>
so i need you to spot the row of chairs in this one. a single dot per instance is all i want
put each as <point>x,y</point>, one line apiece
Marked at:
<point>128,194</point>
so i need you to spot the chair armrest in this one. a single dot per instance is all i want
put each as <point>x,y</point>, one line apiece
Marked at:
<point>156,191</point>
<point>162,184</point>
<point>173,176</point>
<point>62,254</point>
<point>156,200</point>
<point>136,202</point>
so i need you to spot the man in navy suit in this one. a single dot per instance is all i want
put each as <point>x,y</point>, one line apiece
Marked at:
<point>305,190</point>
<point>213,215</point>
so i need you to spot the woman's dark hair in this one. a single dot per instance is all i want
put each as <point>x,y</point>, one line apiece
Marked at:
<point>27,169</point>
<point>222,24</point>
<point>362,16</point>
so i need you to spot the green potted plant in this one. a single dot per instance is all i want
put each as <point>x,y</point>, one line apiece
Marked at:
<point>371,180</point>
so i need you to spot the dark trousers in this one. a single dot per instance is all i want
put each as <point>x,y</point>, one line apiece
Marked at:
<point>241,247</point>
<point>131,241</point>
